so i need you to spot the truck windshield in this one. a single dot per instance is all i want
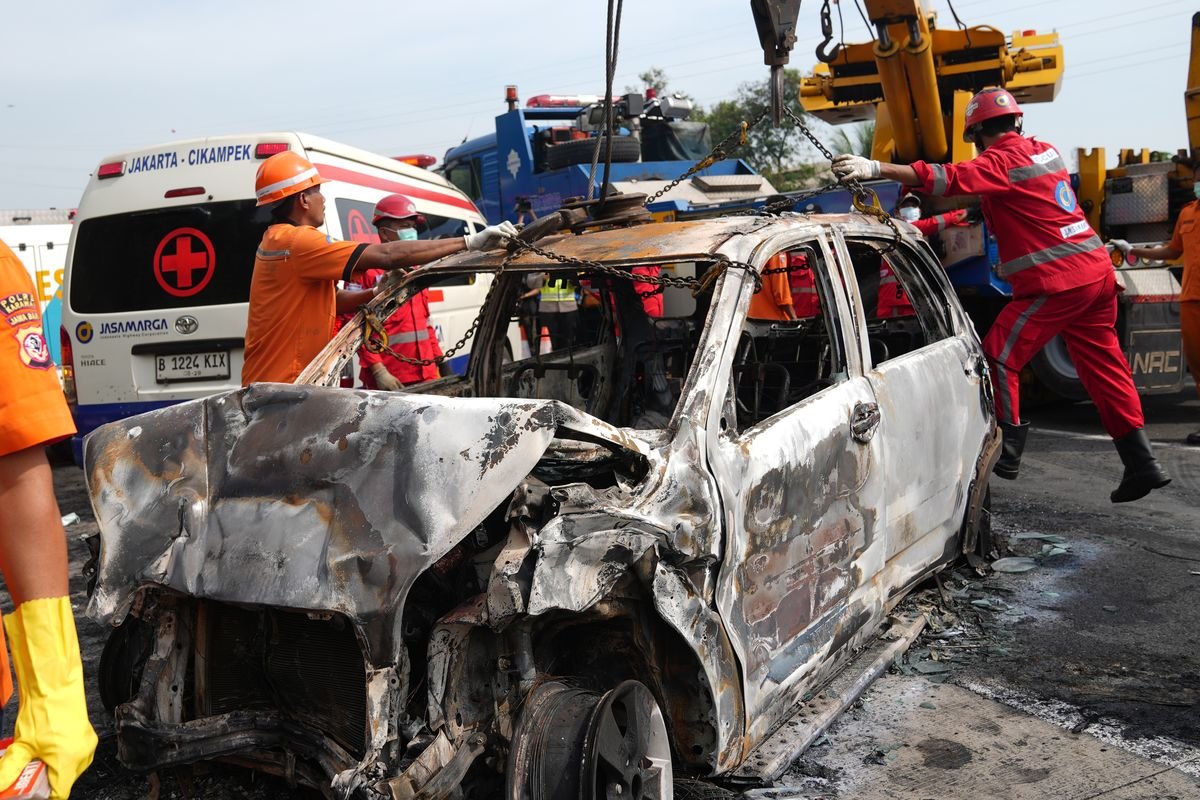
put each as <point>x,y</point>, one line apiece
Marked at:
<point>183,257</point>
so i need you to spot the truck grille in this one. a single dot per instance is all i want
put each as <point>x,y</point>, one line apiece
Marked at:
<point>311,671</point>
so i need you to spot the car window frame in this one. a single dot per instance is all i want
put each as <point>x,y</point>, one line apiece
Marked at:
<point>848,320</point>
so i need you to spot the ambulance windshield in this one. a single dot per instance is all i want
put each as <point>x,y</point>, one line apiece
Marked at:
<point>182,257</point>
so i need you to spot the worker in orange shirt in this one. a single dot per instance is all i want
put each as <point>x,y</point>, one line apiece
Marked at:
<point>774,300</point>
<point>293,297</point>
<point>408,331</point>
<point>1185,241</point>
<point>52,720</point>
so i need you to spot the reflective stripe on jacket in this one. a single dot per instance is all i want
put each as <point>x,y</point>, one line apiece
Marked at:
<point>1045,242</point>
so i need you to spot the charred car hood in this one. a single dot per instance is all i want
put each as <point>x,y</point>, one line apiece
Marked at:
<point>307,497</point>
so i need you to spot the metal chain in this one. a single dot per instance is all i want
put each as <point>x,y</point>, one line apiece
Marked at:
<point>373,326</point>
<point>864,199</point>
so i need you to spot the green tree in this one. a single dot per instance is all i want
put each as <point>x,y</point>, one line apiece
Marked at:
<point>856,140</point>
<point>779,152</point>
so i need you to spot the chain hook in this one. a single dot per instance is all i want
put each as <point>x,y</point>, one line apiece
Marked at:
<point>827,31</point>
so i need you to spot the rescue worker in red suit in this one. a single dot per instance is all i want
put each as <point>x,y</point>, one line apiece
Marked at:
<point>1062,279</point>
<point>803,283</point>
<point>651,293</point>
<point>893,300</point>
<point>408,330</point>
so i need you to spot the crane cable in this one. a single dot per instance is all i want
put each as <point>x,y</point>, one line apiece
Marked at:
<point>612,38</point>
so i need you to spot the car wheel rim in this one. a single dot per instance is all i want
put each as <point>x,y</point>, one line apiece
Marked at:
<point>628,754</point>
<point>572,744</point>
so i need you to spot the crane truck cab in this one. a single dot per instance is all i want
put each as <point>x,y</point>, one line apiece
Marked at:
<point>540,156</point>
<point>158,270</point>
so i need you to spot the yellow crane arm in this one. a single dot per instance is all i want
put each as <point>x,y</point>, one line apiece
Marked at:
<point>915,79</point>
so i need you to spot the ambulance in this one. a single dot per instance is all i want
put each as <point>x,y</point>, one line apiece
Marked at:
<point>39,239</point>
<point>159,264</point>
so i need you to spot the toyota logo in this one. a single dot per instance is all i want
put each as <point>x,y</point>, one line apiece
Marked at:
<point>186,325</point>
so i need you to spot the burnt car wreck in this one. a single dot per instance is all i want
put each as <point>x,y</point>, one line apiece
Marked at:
<point>581,572</point>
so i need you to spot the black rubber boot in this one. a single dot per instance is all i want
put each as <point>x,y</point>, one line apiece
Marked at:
<point>1143,473</point>
<point>1011,447</point>
<point>1193,439</point>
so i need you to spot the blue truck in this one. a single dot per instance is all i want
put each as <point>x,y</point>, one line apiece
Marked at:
<point>541,155</point>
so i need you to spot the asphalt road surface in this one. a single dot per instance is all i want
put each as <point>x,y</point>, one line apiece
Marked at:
<point>1079,678</point>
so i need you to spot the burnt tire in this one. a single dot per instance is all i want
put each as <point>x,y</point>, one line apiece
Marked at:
<point>575,744</point>
<point>625,149</point>
<point>122,661</point>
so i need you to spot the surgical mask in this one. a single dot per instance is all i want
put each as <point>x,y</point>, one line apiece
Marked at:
<point>1196,189</point>
<point>909,214</point>
<point>407,234</point>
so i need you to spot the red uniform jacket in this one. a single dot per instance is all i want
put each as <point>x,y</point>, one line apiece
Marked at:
<point>893,301</point>
<point>409,334</point>
<point>805,300</point>
<point>651,293</point>
<point>931,225</point>
<point>1045,242</point>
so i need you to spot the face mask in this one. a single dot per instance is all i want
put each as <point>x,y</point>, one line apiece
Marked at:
<point>407,234</point>
<point>909,214</point>
<point>1196,189</point>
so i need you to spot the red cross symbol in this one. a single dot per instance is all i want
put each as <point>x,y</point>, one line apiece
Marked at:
<point>183,261</point>
<point>358,229</point>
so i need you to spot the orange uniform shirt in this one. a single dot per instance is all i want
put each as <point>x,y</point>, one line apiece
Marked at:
<point>33,410</point>
<point>775,293</point>
<point>293,300</point>
<point>1187,239</point>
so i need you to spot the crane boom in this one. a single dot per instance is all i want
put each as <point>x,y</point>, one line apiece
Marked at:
<point>916,79</point>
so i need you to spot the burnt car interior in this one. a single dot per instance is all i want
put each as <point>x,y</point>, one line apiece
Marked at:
<point>610,359</point>
<point>780,363</point>
<point>913,318</point>
<point>615,361</point>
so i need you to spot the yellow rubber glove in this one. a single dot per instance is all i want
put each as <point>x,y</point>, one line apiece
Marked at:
<point>52,721</point>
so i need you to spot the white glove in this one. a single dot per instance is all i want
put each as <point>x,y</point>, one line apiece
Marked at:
<point>384,379</point>
<point>1121,245</point>
<point>848,167</point>
<point>490,237</point>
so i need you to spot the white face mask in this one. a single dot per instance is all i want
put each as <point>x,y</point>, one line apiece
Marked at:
<point>1196,189</point>
<point>909,214</point>
<point>406,234</point>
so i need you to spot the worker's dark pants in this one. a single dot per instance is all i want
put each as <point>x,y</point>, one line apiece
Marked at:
<point>562,326</point>
<point>1086,317</point>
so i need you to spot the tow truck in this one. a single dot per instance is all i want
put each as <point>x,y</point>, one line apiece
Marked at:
<point>540,156</point>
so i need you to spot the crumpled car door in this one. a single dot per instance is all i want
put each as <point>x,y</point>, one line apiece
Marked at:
<point>801,496</point>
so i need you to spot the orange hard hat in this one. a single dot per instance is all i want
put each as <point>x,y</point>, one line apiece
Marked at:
<point>283,175</point>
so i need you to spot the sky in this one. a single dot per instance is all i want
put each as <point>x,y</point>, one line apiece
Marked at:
<point>85,79</point>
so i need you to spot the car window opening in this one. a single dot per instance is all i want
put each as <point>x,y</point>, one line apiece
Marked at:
<point>903,312</point>
<point>780,363</point>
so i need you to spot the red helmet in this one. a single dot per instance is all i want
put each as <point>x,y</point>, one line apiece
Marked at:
<point>988,104</point>
<point>397,206</point>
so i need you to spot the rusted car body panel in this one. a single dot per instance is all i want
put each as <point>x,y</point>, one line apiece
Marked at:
<point>732,570</point>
